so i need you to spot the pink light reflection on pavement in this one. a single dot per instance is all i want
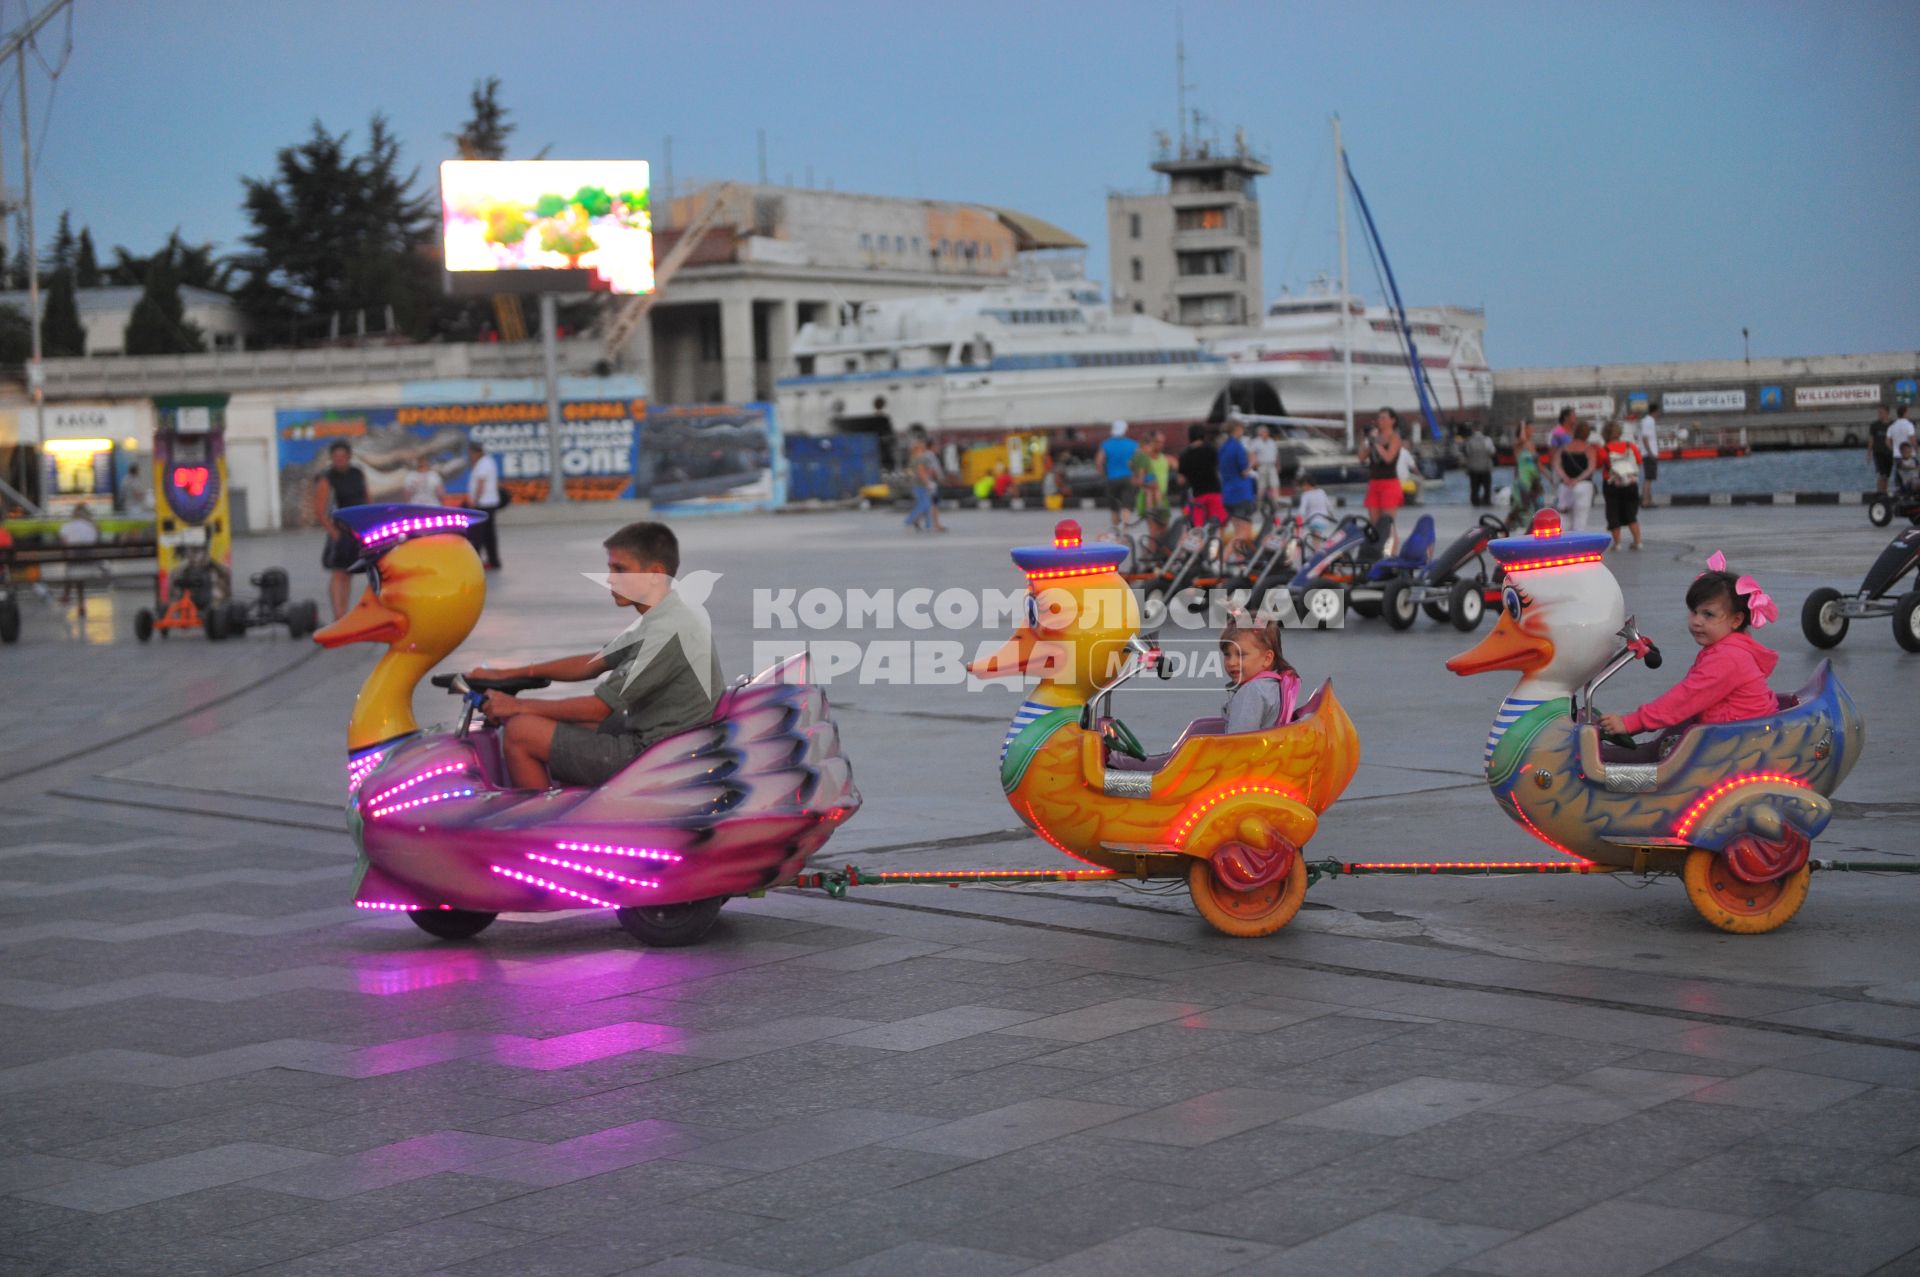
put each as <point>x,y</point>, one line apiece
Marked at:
<point>596,1154</point>
<point>430,973</point>
<point>579,1048</point>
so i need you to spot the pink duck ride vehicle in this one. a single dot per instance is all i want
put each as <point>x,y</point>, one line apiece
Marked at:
<point>1733,807</point>
<point>731,806</point>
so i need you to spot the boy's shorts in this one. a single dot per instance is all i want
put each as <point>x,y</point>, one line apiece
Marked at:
<point>583,757</point>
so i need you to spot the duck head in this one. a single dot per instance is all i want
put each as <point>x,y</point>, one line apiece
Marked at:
<point>426,588</point>
<point>1080,614</point>
<point>1560,612</point>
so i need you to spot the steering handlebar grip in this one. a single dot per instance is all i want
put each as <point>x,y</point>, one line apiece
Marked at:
<point>1653,657</point>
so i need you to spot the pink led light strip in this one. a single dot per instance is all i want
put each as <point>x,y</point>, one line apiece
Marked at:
<point>430,799</point>
<point>405,785</point>
<point>602,849</point>
<point>608,874</point>
<point>396,906</point>
<point>532,881</point>
<point>403,527</point>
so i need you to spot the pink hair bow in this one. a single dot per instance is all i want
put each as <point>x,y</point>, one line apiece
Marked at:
<point>1760,604</point>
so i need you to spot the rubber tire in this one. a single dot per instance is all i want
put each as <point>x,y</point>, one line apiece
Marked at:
<point>1436,612</point>
<point>303,618</point>
<point>1810,618</point>
<point>1251,913</point>
<point>143,625</point>
<point>1906,621</point>
<point>451,924</point>
<point>671,926</point>
<point>1367,608</point>
<point>236,620</point>
<point>9,621</point>
<point>215,622</point>
<point>1396,604</point>
<point>1737,907</point>
<point>1466,606</point>
<point>1879,512</point>
<point>1147,605</point>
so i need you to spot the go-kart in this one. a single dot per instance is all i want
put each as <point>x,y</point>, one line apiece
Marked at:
<point>1195,556</point>
<point>1884,507</point>
<point>1731,807</point>
<point>1275,558</point>
<point>1347,558</point>
<point>1228,814</point>
<point>197,597</point>
<point>1825,615</point>
<point>731,806</point>
<point>268,607</point>
<point>1455,585</point>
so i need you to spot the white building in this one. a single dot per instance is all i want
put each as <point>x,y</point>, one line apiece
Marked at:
<point>104,313</point>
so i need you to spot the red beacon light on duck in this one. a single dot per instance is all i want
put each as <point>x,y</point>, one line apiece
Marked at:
<point>1546,524</point>
<point>1066,535</point>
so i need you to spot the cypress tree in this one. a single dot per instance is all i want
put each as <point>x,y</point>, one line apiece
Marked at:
<point>158,325</point>
<point>61,332</point>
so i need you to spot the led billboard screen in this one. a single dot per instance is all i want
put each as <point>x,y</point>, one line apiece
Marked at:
<point>535,225</point>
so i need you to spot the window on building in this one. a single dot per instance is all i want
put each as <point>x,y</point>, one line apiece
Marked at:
<point>1202,219</point>
<point>916,243</point>
<point>710,336</point>
<point>1139,271</point>
<point>1133,225</point>
<point>866,242</point>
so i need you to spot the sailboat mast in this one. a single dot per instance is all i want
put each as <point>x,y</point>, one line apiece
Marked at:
<point>1346,334</point>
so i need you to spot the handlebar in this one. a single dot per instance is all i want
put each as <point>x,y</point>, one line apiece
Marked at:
<point>1637,647</point>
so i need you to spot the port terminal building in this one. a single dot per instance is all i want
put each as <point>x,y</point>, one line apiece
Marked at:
<point>1807,402</point>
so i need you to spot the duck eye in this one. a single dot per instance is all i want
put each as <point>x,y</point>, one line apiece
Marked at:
<point>1033,612</point>
<point>1510,599</point>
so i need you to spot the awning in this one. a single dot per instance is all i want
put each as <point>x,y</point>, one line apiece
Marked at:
<point>1033,234</point>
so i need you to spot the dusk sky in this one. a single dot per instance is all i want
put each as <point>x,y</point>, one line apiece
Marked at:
<point>1612,182</point>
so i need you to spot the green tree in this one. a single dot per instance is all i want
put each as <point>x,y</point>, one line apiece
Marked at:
<point>158,325</point>
<point>336,232</point>
<point>86,263</point>
<point>61,253</point>
<point>16,337</point>
<point>194,265</point>
<point>484,135</point>
<point>61,332</point>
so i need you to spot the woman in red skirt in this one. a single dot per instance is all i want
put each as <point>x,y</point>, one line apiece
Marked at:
<point>1380,452</point>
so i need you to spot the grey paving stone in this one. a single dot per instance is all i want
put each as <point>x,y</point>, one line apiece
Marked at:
<point>928,1259</point>
<point>1885,1120</point>
<point>613,1246</point>
<point>1406,1107</point>
<point>1296,1210</point>
<point>1604,1095</point>
<point>1153,1252</point>
<point>315,1226</point>
<point>1212,1116</point>
<point>730,1044</point>
<point>605,1199</point>
<point>934,1028</point>
<point>694,1266</point>
<point>1104,1019</point>
<point>24,1171</point>
<point>1781,1090</point>
<point>1841,1231</point>
<point>1053,1225</point>
<point>809,1188</point>
<point>588,1155</point>
<point>1383,1245</point>
<point>1015,1126</point>
<point>868,954</point>
<point>404,1251</point>
<point>111,1190</point>
<point>793,1143</point>
<point>390,1164</point>
<point>1880,1065</point>
<point>1464,1146</point>
<point>1612,1239</point>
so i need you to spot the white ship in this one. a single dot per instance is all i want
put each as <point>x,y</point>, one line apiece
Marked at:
<point>1296,355</point>
<point>1043,354</point>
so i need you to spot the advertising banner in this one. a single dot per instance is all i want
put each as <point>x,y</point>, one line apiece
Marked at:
<point>1587,406</point>
<point>1834,396</point>
<point>709,456</point>
<point>1704,401</point>
<point>560,224</point>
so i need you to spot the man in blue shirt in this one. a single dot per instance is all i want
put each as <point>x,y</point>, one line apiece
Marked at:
<point>1237,487</point>
<point>1116,461</point>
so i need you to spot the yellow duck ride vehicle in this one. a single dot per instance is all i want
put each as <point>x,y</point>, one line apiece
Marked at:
<point>1231,814</point>
<point>1732,807</point>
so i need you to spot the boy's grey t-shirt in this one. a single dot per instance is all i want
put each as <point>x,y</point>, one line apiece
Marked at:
<point>653,689</point>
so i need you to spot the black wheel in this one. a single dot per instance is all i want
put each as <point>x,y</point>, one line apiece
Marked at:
<point>671,926</point>
<point>236,620</point>
<point>9,621</point>
<point>1466,605</point>
<point>1820,618</point>
<point>1906,621</point>
<point>451,924</point>
<point>214,619</point>
<point>303,618</point>
<point>1879,512</point>
<point>1436,611</point>
<point>1368,608</point>
<point>1397,605</point>
<point>143,625</point>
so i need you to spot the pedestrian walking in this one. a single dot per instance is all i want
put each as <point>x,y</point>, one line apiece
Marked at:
<point>1574,467</point>
<point>1620,483</point>
<point>1478,454</point>
<point>340,485</point>
<point>1115,455</point>
<point>485,495</point>
<point>1649,431</point>
<point>1265,451</point>
<point>1380,454</point>
<point>424,485</point>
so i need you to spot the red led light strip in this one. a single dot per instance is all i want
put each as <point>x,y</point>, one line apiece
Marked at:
<point>1065,574</point>
<point>532,881</point>
<point>608,874</point>
<point>1534,829</point>
<point>1178,831</point>
<point>1053,842</point>
<point>1691,818</point>
<point>1569,561</point>
<point>1435,866</point>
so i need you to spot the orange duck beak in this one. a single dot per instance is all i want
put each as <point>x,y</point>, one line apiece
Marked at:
<point>1508,648</point>
<point>370,621</point>
<point>1021,653</point>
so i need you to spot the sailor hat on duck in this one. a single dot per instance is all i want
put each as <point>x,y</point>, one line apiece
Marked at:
<point>379,528</point>
<point>1069,555</point>
<point>1547,546</point>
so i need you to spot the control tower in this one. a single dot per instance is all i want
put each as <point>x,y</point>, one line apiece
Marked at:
<point>1191,253</point>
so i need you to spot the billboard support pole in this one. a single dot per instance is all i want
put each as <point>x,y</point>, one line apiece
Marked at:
<point>550,357</point>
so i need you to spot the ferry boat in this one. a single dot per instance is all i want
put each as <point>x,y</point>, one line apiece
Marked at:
<point>1292,364</point>
<point>1039,354</point>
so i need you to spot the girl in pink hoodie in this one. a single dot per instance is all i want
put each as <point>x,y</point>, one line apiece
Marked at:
<point>1728,680</point>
